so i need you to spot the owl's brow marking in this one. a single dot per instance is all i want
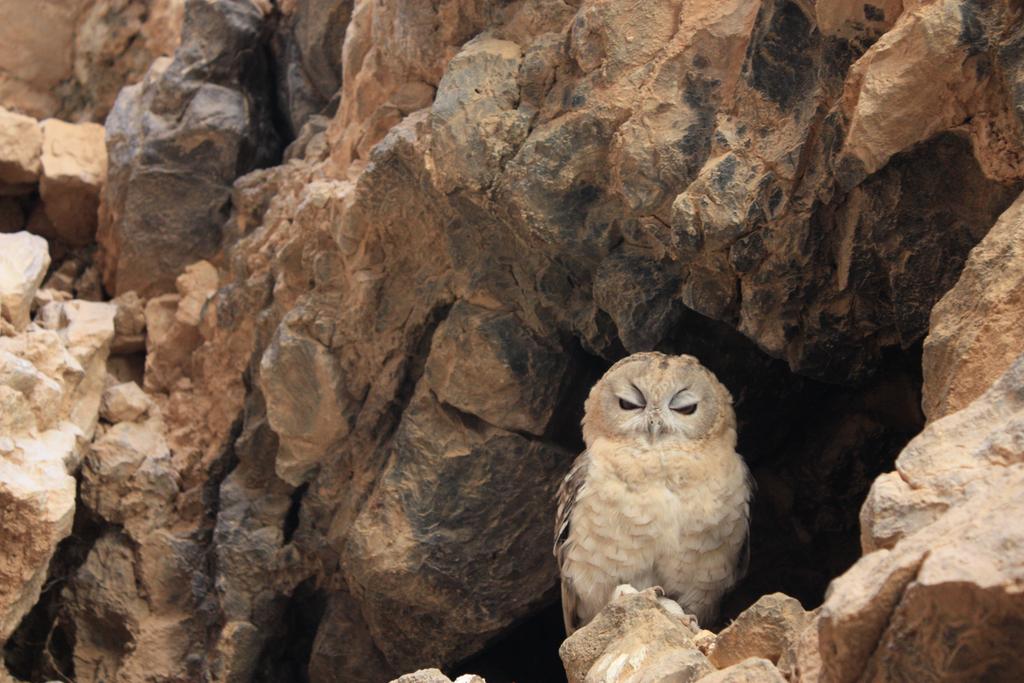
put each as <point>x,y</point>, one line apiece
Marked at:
<point>643,399</point>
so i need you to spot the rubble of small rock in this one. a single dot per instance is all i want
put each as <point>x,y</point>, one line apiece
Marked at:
<point>300,300</point>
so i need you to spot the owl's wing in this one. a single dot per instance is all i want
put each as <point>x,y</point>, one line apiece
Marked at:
<point>744,562</point>
<point>568,493</point>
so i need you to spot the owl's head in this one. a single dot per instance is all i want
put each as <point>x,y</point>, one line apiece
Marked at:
<point>660,399</point>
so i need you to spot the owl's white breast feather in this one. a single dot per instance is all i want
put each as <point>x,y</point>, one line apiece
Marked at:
<point>650,516</point>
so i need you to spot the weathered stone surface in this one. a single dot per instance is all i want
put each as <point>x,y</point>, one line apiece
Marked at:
<point>172,326</point>
<point>307,50</point>
<point>765,630</point>
<point>68,58</point>
<point>435,676</point>
<point>938,556</point>
<point>74,168</point>
<point>634,639</point>
<point>129,324</point>
<point>307,406</point>
<point>21,144</point>
<point>483,362</point>
<point>475,122</point>
<point>176,141</point>
<point>48,404</point>
<point>127,477</point>
<point>24,259</point>
<point>433,583</point>
<point>124,402</point>
<point>977,328</point>
<point>86,328</point>
<point>37,503</point>
<point>753,670</point>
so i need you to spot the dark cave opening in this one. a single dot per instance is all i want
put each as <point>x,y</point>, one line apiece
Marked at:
<point>285,655</point>
<point>813,449</point>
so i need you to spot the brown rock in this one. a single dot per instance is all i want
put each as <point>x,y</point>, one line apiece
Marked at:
<point>129,324</point>
<point>37,505</point>
<point>21,144</point>
<point>475,122</point>
<point>307,406</point>
<point>69,59</point>
<point>764,630</point>
<point>977,328</point>
<point>946,559</point>
<point>175,143</point>
<point>124,402</point>
<point>483,363</point>
<point>633,639</point>
<point>74,168</point>
<point>456,495</point>
<point>752,670</point>
<point>127,477</point>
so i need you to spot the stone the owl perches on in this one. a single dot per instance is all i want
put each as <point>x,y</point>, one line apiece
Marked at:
<point>659,497</point>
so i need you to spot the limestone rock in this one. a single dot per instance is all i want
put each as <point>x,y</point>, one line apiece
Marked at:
<point>86,328</point>
<point>308,406</point>
<point>765,630</point>
<point>37,505</point>
<point>435,676</point>
<point>475,122</point>
<point>634,639</point>
<point>176,141</point>
<point>46,396</point>
<point>69,59</point>
<point>752,670</point>
<point>307,50</point>
<point>977,328</point>
<point>24,259</point>
<point>484,363</point>
<point>74,168</point>
<point>938,556</point>
<point>124,402</point>
<point>456,495</point>
<point>129,324</point>
<point>128,478</point>
<point>172,326</point>
<point>21,144</point>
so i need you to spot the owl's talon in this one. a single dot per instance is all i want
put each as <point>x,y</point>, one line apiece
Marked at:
<point>676,610</point>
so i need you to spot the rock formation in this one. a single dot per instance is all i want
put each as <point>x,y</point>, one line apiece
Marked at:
<point>293,354</point>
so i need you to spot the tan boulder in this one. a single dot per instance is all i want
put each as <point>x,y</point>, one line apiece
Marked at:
<point>753,670</point>
<point>943,566</point>
<point>24,259</point>
<point>172,326</point>
<point>124,402</point>
<point>977,328</point>
<point>74,168</point>
<point>21,143</point>
<point>922,77</point>
<point>37,504</point>
<point>435,676</point>
<point>129,324</point>
<point>633,640</point>
<point>70,57</point>
<point>764,630</point>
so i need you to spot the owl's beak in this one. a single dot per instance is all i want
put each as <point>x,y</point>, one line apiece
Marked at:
<point>654,427</point>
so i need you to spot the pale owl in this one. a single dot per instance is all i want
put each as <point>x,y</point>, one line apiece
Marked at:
<point>659,497</point>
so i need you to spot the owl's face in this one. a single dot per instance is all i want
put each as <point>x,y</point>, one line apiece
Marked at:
<point>659,399</point>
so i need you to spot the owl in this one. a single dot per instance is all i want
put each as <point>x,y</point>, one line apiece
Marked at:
<point>659,498</point>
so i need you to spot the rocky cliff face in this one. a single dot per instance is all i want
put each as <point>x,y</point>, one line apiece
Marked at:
<point>359,263</point>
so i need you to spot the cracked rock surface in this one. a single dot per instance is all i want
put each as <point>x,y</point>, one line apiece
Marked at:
<point>292,363</point>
